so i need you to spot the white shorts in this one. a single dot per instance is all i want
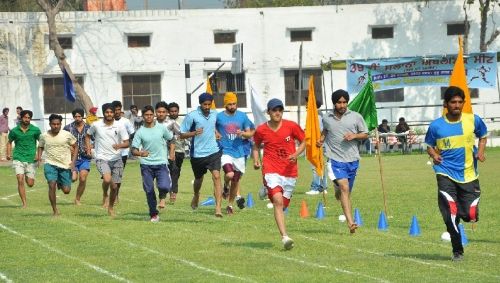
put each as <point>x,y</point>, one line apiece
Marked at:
<point>238,163</point>
<point>287,183</point>
<point>24,168</point>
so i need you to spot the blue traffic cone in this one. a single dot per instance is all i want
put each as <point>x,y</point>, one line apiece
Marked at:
<point>320,211</point>
<point>463,235</point>
<point>357,217</point>
<point>250,203</point>
<point>414,227</point>
<point>382,222</point>
<point>208,201</point>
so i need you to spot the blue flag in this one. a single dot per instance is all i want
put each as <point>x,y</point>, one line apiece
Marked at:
<point>69,90</point>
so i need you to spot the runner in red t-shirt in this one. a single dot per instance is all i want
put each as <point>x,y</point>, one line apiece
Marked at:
<point>279,161</point>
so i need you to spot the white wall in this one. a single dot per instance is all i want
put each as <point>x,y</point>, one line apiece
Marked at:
<point>100,51</point>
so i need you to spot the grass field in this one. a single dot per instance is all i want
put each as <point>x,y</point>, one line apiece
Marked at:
<point>85,245</point>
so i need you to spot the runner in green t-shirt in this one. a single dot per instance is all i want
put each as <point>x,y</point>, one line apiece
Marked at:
<point>25,136</point>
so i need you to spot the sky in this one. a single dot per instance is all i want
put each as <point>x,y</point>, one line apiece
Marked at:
<point>174,4</point>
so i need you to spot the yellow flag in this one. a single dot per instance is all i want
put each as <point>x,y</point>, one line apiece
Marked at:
<point>458,78</point>
<point>209,90</point>
<point>313,133</point>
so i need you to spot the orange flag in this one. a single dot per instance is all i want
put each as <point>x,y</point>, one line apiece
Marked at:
<point>209,90</point>
<point>313,133</point>
<point>458,77</point>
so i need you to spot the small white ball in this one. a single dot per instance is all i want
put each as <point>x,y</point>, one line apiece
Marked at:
<point>446,237</point>
<point>192,182</point>
<point>429,162</point>
<point>270,205</point>
<point>342,218</point>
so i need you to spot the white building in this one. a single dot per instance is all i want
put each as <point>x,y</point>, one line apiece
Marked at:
<point>140,54</point>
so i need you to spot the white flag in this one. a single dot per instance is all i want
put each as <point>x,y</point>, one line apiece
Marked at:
<point>258,109</point>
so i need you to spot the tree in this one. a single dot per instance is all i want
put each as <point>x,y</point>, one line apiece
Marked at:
<point>32,6</point>
<point>51,9</point>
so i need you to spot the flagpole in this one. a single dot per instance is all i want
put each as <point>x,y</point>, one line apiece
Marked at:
<point>300,84</point>
<point>381,169</point>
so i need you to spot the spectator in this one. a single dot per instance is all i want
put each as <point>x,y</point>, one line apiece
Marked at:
<point>92,117</point>
<point>133,116</point>
<point>4,131</point>
<point>402,128</point>
<point>384,127</point>
<point>18,117</point>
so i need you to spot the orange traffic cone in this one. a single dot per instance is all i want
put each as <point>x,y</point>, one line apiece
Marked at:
<point>304,212</point>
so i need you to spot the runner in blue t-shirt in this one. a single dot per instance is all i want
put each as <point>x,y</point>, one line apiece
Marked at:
<point>199,125</point>
<point>234,129</point>
<point>450,143</point>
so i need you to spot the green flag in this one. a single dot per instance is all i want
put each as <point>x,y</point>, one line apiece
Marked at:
<point>364,104</point>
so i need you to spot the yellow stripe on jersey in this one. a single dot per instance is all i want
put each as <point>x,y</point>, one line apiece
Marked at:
<point>468,128</point>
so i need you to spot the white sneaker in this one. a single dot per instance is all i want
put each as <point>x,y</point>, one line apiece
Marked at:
<point>312,192</point>
<point>263,193</point>
<point>287,242</point>
<point>155,219</point>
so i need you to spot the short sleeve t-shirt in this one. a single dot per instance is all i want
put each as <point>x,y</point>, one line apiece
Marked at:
<point>154,140</point>
<point>58,148</point>
<point>336,147</point>
<point>105,137</point>
<point>25,143</point>
<point>204,144</point>
<point>278,146</point>
<point>456,144</point>
<point>227,126</point>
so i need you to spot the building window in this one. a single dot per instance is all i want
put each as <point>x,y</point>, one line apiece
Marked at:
<point>455,29</point>
<point>474,92</point>
<point>223,82</point>
<point>301,35</point>
<point>390,95</point>
<point>382,32</point>
<point>141,90</point>
<point>224,37</point>
<point>66,42</point>
<point>292,85</point>
<point>139,41</point>
<point>53,96</point>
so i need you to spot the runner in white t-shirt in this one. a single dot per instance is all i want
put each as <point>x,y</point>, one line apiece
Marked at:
<point>110,137</point>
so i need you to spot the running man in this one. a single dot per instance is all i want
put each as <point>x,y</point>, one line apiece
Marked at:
<point>82,165</point>
<point>234,129</point>
<point>60,154</point>
<point>110,137</point>
<point>450,143</point>
<point>177,147</point>
<point>24,136</point>
<point>279,161</point>
<point>205,152</point>
<point>150,144</point>
<point>343,129</point>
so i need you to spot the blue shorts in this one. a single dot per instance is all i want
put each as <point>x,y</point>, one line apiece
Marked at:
<point>56,174</point>
<point>343,170</point>
<point>82,164</point>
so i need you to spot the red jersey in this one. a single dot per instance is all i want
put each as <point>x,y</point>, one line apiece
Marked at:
<point>278,146</point>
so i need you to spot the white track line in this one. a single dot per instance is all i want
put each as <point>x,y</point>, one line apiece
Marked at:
<point>132,244</point>
<point>94,267</point>
<point>5,278</point>
<point>178,259</point>
<point>13,195</point>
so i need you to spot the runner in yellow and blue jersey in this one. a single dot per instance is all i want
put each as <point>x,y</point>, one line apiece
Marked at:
<point>451,144</point>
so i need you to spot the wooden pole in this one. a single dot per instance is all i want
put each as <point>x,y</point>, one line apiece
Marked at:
<point>381,172</point>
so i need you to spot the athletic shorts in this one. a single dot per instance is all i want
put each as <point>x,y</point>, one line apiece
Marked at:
<point>200,165</point>
<point>115,168</point>
<point>461,198</point>
<point>24,168</point>
<point>273,180</point>
<point>238,163</point>
<point>57,174</point>
<point>343,170</point>
<point>82,164</point>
